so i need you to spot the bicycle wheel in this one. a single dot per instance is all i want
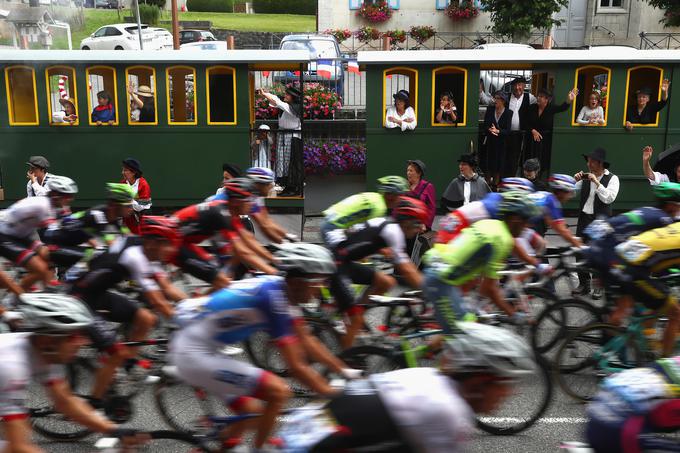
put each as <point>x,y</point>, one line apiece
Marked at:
<point>557,321</point>
<point>372,359</point>
<point>45,419</point>
<point>529,400</point>
<point>589,355</point>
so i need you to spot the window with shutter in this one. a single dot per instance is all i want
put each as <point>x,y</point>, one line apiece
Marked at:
<point>441,4</point>
<point>355,4</point>
<point>394,4</point>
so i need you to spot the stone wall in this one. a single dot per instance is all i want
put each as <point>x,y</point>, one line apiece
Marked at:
<point>250,39</point>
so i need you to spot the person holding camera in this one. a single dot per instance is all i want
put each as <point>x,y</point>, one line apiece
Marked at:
<point>599,188</point>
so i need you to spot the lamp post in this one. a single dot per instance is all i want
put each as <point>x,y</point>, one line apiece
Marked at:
<point>139,25</point>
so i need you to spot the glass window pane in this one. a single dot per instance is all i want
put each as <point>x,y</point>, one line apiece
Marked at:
<point>22,97</point>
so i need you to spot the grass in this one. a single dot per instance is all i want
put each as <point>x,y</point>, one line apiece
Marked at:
<point>231,21</point>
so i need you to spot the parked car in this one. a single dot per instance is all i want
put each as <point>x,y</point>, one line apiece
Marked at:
<point>205,45</point>
<point>322,48</point>
<point>163,38</point>
<point>187,36</point>
<point>119,37</point>
<point>107,4</point>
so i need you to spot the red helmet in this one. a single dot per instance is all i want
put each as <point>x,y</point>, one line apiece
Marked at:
<point>409,208</point>
<point>159,226</point>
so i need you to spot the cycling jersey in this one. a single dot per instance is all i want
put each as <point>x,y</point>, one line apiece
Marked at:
<point>26,216</point>
<point>622,226</point>
<point>452,224</point>
<point>201,221</point>
<point>633,403</point>
<point>18,367</point>
<point>549,205</point>
<point>657,249</point>
<point>369,237</point>
<point>356,209</point>
<point>82,226</point>
<point>480,249</point>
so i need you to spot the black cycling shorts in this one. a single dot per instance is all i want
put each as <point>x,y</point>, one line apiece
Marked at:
<point>112,306</point>
<point>340,289</point>
<point>196,262</point>
<point>18,250</point>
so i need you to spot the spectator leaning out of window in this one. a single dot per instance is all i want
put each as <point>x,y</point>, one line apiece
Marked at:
<point>447,111</point>
<point>466,187</point>
<point>67,114</point>
<point>656,177</point>
<point>591,114</point>
<point>104,112</point>
<point>401,114</point>
<point>37,176</point>
<point>644,111</point>
<point>421,189</point>
<point>132,174</point>
<point>144,101</point>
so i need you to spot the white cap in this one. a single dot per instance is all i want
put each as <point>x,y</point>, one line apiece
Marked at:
<point>264,127</point>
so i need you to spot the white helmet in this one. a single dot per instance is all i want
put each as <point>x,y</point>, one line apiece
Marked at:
<point>62,184</point>
<point>53,313</point>
<point>304,258</point>
<point>482,348</point>
<point>261,175</point>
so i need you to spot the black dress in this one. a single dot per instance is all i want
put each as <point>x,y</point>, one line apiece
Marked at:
<point>648,114</point>
<point>495,160</point>
<point>147,114</point>
<point>543,123</point>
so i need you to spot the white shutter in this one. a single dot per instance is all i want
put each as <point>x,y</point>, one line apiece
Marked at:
<point>441,4</point>
<point>393,4</point>
<point>355,4</point>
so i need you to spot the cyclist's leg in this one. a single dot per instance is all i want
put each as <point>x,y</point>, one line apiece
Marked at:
<point>448,302</point>
<point>197,262</point>
<point>344,298</point>
<point>655,295</point>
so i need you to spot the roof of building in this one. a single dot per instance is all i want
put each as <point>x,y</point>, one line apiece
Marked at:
<point>23,15</point>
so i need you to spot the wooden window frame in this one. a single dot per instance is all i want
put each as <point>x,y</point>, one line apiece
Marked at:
<point>114,95</point>
<point>574,114</point>
<point>129,98</point>
<point>434,95</point>
<point>49,97</point>
<point>395,70</point>
<point>167,96</point>
<point>207,95</point>
<point>10,110</point>
<point>625,105</point>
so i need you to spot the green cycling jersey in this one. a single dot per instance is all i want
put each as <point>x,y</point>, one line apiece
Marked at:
<point>356,209</point>
<point>480,250</point>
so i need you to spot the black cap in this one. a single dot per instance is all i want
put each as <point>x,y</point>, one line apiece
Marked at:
<point>418,163</point>
<point>38,161</point>
<point>468,159</point>
<point>598,154</point>
<point>133,164</point>
<point>232,169</point>
<point>293,91</point>
<point>401,94</point>
<point>532,165</point>
<point>645,90</point>
<point>517,80</point>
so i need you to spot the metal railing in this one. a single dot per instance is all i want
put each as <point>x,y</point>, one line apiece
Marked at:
<point>659,40</point>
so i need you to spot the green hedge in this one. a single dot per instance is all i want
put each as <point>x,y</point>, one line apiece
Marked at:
<point>211,6</point>
<point>303,7</point>
<point>159,3</point>
<point>149,14</point>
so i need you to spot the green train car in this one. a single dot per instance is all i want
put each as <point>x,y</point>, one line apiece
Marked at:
<point>203,117</point>
<point>426,74</point>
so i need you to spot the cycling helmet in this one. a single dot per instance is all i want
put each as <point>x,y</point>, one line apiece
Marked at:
<point>480,348</point>
<point>559,181</point>
<point>62,184</point>
<point>260,175</point>
<point>53,313</point>
<point>304,258</point>
<point>392,184</point>
<point>239,188</point>
<point>508,184</point>
<point>667,191</point>
<point>517,203</point>
<point>409,208</point>
<point>160,227</point>
<point>121,193</point>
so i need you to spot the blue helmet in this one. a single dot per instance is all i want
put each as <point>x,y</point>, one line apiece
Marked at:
<point>261,175</point>
<point>559,181</point>
<point>523,184</point>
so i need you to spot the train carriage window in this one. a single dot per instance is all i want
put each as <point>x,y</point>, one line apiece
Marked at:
<point>221,95</point>
<point>22,100</point>
<point>141,88</point>
<point>449,96</point>
<point>62,98</point>
<point>399,80</point>
<point>180,83</point>
<point>591,104</point>
<point>102,96</point>
<point>644,97</point>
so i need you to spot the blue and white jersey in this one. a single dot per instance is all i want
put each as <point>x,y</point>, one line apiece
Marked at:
<point>549,205</point>
<point>233,314</point>
<point>491,203</point>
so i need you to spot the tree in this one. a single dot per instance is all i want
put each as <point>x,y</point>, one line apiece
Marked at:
<point>671,16</point>
<point>516,18</point>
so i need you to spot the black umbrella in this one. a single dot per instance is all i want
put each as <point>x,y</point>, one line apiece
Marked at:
<point>668,160</point>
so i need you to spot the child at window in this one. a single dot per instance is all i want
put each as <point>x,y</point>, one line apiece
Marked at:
<point>592,113</point>
<point>67,114</point>
<point>446,114</point>
<point>104,112</point>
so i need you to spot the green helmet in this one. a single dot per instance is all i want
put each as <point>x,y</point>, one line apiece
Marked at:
<point>667,191</point>
<point>517,203</point>
<point>392,184</point>
<point>120,193</point>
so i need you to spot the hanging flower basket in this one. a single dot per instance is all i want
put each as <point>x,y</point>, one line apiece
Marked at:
<point>375,13</point>
<point>339,34</point>
<point>367,34</point>
<point>464,10</point>
<point>396,35</point>
<point>421,33</point>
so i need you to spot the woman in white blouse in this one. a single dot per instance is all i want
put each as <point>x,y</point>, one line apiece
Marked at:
<point>592,113</point>
<point>401,114</point>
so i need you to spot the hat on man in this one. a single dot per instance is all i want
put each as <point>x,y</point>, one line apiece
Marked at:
<point>133,164</point>
<point>144,91</point>
<point>532,165</point>
<point>517,80</point>
<point>644,90</point>
<point>468,159</point>
<point>418,163</point>
<point>264,127</point>
<point>401,94</point>
<point>293,91</point>
<point>232,169</point>
<point>598,154</point>
<point>38,161</point>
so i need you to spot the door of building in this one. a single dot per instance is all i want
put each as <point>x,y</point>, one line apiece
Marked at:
<point>572,31</point>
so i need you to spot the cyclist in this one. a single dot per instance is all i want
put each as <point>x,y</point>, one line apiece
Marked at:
<point>651,253</point>
<point>57,325</point>
<point>232,315</point>
<point>263,181</point>
<point>480,250</point>
<point>562,188</point>
<point>134,258</point>
<point>368,238</point>
<point>19,241</point>
<point>634,406</point>
<point>426,410</point>
<point>360,208</point>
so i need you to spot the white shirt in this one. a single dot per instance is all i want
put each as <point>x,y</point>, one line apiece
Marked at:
<point>659,178</point>
<point>607,195</point>
<point>587,114</point>
<point>288,119</point>
<point>136,205</point>
<point>466,192</point>
<point>514,105</point>
<point>408,113</point>
<point>36,189</point>
<point>24,217</point>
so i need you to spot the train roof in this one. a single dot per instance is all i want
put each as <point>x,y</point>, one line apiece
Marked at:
<point>594,55</point>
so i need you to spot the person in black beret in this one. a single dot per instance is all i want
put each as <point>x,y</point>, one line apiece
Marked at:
<point>466,187</point>
<point>132,174</point>
<point>644,111</point>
